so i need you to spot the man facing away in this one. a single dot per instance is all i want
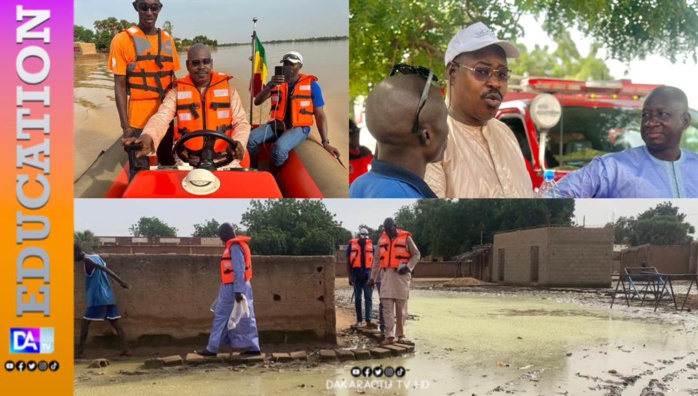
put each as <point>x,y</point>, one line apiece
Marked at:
<point>236,273</point>
<point>359,263</point>
<point>410,132</point>
<point>660,169</point>
<point>483,158</point>
<point>397,258</point>
<point>99,297</point>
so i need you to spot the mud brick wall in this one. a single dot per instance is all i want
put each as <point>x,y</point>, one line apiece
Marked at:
<point>171,294</point>
<point>669,259</point>
<point>566,256</point>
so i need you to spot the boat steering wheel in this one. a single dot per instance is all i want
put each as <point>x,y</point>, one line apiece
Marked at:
<point>206,157</point>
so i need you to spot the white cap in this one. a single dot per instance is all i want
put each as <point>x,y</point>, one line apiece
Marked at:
<point>363,231</point>
<point>293,57</point>
<point>473,38</point>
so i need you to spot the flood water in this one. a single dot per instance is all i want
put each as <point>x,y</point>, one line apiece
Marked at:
<point>97,121</point>
<point>469,344</point>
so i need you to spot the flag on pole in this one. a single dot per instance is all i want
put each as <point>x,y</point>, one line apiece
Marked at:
<point>259,68</point>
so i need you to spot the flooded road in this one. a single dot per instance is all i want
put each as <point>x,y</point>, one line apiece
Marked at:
<point>468,343</point>
<point>97,121</point>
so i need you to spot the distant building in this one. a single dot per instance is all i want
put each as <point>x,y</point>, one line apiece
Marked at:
<point>554,256</point>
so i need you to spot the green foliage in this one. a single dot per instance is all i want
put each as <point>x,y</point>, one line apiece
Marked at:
<point>208,229</point>
<point>106,29</point>
<point>198,39</point>
<point>293,227</point>
<point>167,26</point>
<point>661,225</point>
<point>86,239</point>
<point>83,35</point>
<point>385,32</point>
<point>446,228</point>
<point>152,227</point>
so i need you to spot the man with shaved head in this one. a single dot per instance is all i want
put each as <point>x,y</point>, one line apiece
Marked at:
<point>660,169</point>
<point>223,113</point>
<point>483,158</point>
<point>406,115</point>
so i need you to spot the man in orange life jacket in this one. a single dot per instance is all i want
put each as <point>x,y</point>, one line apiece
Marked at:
<point>143,59</point>
<point>236,273</point>
<point>360,157</point>
<point>204,100</point>
<point>294,105</point>
<point>359,262</point>
<point>397,256</point>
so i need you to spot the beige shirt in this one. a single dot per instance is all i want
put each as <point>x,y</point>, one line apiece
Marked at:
<point>394,285</point>
<point>480,162</point>
<point>157,124</point>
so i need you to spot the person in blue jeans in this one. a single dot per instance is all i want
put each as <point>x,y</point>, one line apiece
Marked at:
<point>359,262</point>
<point>295,104</point>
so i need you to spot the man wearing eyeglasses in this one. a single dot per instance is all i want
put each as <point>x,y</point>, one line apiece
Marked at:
<point>483,158</point>
<point>660,169</point>
<point>406,115</point>
<point>203,100</point>
<point>295,104</point>
<point>143,59</point>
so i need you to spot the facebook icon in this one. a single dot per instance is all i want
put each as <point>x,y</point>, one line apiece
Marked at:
<point>31,340</point>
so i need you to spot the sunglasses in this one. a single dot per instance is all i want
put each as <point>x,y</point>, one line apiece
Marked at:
<point>422,72</point>
<point>152,7</point>
<point>484,73</point>
<point>197,62</point>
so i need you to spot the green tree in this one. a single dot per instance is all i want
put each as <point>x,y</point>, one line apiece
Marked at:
<point>167,26</point>
<point>661,225</point>
<point>152,227</point>
<point>207,229</point>
<point>293,227</point>
<point>106,29</point>
<point>382,33</point>
<point>83,35</point>
<point>86,239</point>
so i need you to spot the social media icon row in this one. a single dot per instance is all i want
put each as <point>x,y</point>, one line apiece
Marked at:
<point>379,371</point>
<point>31,365</point>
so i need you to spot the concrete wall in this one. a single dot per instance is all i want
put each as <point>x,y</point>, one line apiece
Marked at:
<point>566,256</point>
<point>171,295</point>
<point>580,257</point>
<point>425,269</point>
<point>516,247</point>
<point>669,259</point>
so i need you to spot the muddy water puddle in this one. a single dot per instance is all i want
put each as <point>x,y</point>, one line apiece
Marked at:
<point>469,344</point>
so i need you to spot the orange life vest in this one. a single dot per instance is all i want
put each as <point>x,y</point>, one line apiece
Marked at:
<point>394,253</point>
<point>150,76</point>
<point>302,110</point>
<point>356,251</point>
<point>212,112</point>
<point>227,274</point>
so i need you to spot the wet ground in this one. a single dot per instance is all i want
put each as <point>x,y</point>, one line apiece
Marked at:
<point>482,341</point>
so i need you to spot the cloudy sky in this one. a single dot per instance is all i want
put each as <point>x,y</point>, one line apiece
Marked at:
<point>113,217</point>
<point>230,21</point>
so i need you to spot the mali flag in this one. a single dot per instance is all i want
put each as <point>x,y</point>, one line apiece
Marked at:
<point>259,73</point>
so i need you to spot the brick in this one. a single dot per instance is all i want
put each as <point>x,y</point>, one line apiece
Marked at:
<point>154,363</point>
<point>221,357</point>
<point>175,360</point>
<point>408,348</point>
<point>344,355</point>
<point>327,355</point>
<point>281,357</point>
<point>299,355</point>
<point>380,353</point>
<point>193,358</point>
<point>362,354</point>
<point>98,363</point>
<point>394,349</point>
<point>254,359</point>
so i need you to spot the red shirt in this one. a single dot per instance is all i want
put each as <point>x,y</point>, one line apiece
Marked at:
<point>359,162</point>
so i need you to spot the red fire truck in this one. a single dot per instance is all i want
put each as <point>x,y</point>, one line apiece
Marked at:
<point>597,117</point>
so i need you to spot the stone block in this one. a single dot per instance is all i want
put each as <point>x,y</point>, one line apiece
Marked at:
<point>255,359</point>
<point>154,363</point>
<point>299,355</point>
<point>362,354</point>
<point>328,355</point>
<point>281,357</point>
<point>408,348</point>
<point>344,355</point>
<point>193,358</point>
<point>395,350</point>
<point>380,353</point>
<point>174,360</point>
